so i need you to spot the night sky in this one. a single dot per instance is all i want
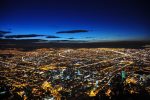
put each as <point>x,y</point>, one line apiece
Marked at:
<point>90,20</point>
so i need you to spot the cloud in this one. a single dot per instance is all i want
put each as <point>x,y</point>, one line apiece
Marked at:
<point>67,41</point>
<point>23,36</point>
<point>72,31</point>
<point>52,36</point>
<point>89,37</point>
<point>71,38</point>
<point>2,33</point>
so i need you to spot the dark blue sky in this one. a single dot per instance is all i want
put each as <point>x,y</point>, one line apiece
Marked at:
<point>102,19</point>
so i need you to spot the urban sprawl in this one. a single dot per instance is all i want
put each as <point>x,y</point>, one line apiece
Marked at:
<point>74,74</point>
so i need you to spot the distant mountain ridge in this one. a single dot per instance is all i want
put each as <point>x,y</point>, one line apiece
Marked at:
<point>37,43</point>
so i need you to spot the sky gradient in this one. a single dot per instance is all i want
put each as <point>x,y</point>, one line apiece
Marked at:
<point>91,20</point>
